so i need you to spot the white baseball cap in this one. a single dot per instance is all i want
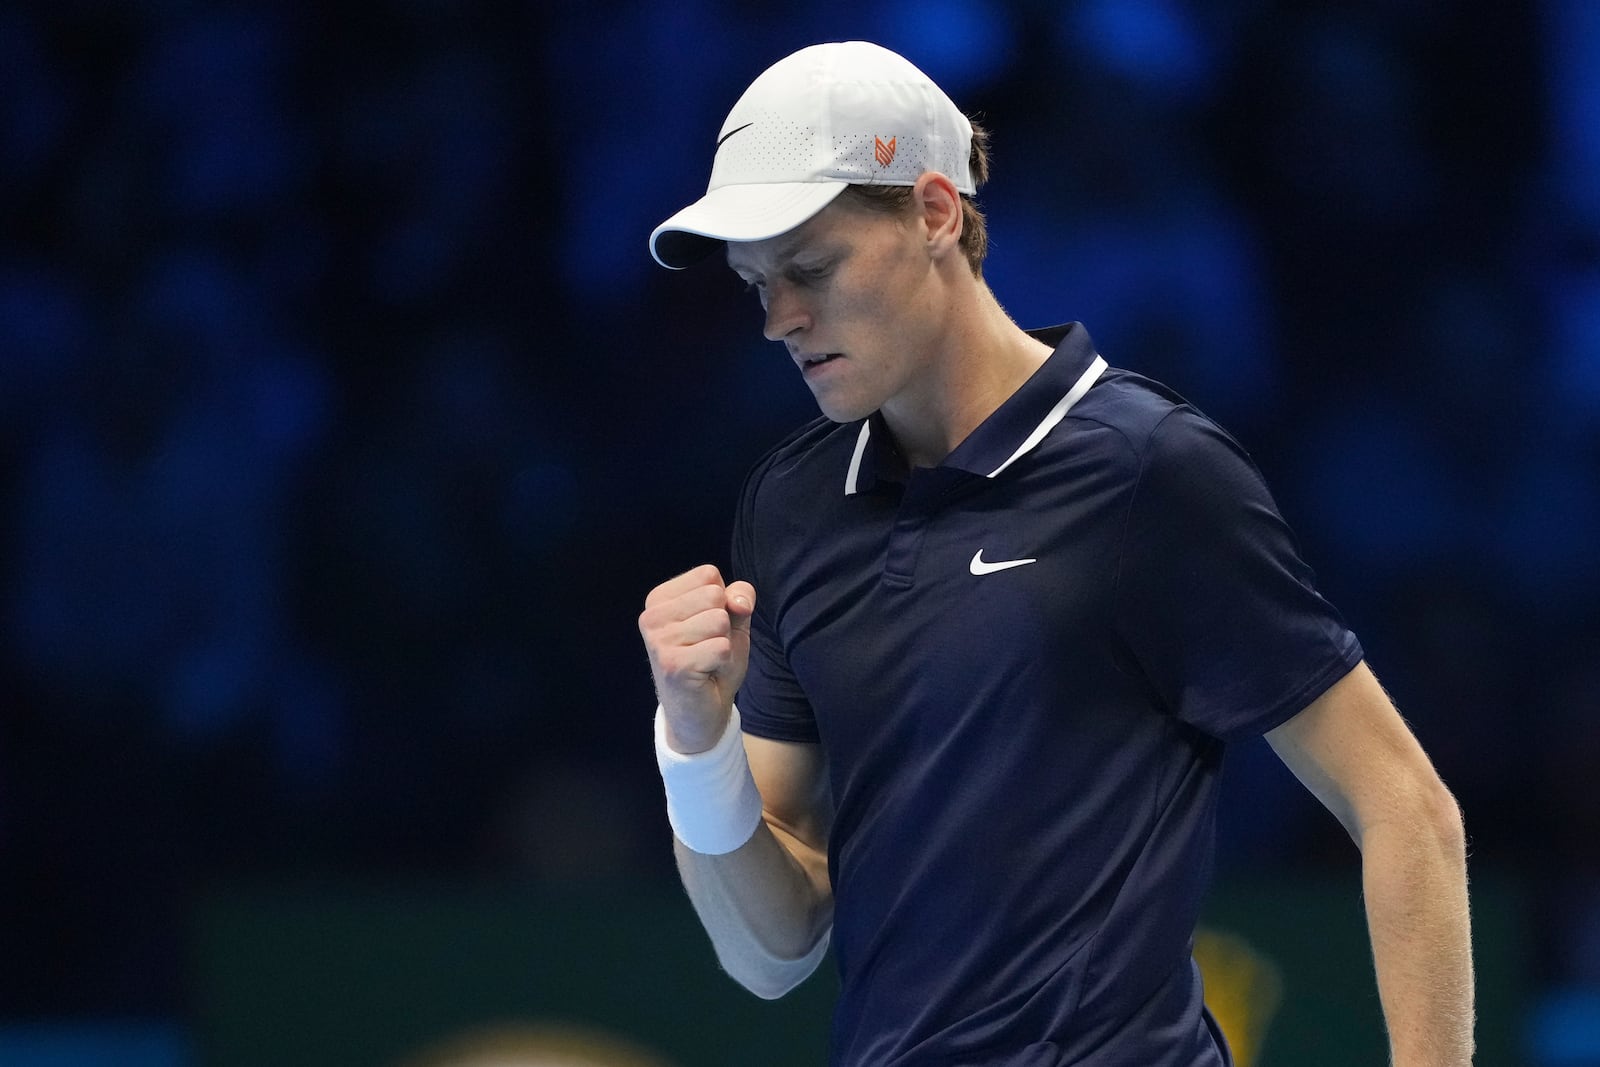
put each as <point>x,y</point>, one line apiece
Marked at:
<point>828,116</point>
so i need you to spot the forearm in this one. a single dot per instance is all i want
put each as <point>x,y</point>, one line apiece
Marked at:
<point>767,914</point>
<point>759,884</point>
<point>1415,882</point>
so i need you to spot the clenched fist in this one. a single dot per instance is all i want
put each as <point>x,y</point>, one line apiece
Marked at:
<point>697,632</point>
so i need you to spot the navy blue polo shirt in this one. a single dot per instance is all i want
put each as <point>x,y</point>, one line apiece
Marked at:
<point>1023,666</point>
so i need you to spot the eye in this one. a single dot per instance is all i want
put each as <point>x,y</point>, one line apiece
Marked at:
<point>811,275</point>
<point>757,287</point>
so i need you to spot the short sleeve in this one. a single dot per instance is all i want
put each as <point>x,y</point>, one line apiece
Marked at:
<point>1215,603</point>
<point>771,701</point>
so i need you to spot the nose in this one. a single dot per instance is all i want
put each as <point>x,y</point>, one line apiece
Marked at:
<point>786,312</point>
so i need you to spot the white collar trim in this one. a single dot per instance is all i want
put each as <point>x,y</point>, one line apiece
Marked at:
<point>1055,415</point>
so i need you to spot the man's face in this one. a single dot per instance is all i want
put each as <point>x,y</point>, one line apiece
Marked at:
<point>848,294</point>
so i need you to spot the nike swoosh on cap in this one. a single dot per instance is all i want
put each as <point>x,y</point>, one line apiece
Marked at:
<point>730,133</point>
<point>979,566</point>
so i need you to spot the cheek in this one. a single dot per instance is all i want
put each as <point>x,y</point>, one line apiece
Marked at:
<point>876,293</point>
<point>855,305</point>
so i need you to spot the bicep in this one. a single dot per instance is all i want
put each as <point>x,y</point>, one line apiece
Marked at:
<point>1354,752</point>
<point>795,799</point>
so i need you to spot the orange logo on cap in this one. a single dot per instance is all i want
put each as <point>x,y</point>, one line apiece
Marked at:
<point>884,152</point>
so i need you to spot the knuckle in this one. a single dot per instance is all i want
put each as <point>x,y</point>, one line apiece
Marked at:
<point>702,598</point>
<point>673,663</point>
<point>651,621</point>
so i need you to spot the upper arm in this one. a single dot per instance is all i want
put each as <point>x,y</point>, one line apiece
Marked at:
<point>1354,752</point>
<point>1212,599</point>
<point>796,803</point>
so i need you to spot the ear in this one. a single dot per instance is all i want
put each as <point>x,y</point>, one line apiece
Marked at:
<point>939,204</point>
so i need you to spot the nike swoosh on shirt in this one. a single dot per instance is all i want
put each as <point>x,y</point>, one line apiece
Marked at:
<point>978,565</point>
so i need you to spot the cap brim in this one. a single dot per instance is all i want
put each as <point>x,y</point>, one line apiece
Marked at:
<point>738,213</point>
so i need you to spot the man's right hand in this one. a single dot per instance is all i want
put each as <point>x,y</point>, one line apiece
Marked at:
<point>697,632</point>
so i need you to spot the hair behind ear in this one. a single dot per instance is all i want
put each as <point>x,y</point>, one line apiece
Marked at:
<point>974,228</point>
<point>978,161</point>
<point>896,199</point>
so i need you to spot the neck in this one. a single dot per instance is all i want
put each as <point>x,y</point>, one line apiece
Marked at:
<point>984,357</point>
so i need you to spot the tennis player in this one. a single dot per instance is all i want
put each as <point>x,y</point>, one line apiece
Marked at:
<point>993,621</point>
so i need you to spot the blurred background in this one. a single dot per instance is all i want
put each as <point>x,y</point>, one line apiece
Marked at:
<point>345,421</point>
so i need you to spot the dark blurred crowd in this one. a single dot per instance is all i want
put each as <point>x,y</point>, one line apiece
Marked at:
<point>344,420</point>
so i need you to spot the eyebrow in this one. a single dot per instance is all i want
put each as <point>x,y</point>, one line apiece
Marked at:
<point>786,253</point>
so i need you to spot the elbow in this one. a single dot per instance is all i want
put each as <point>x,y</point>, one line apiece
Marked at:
<point>1444,814</point>
<point>1428,815</point>
<point>1435,813</point>
<point>770,977</point>
<point>1420,810</point>
<point>772,984</point>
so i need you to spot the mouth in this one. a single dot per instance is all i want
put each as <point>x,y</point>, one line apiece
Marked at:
<point>811,363</point>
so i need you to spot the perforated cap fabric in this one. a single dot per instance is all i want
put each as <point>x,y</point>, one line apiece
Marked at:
<point>828,116</point>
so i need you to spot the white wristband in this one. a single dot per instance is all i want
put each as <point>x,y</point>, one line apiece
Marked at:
<point>712,800</point>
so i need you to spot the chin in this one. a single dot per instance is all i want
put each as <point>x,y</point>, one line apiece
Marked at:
<point>841,412</point>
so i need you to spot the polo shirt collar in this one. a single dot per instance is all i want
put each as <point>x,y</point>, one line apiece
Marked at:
<point>1014,429</point>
